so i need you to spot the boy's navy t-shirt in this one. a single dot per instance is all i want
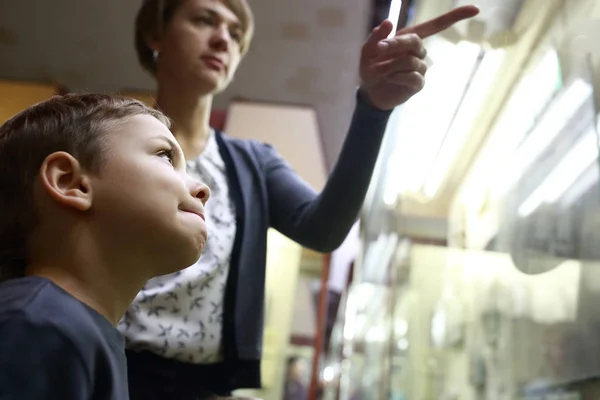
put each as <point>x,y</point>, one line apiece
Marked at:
<point>54,347</point>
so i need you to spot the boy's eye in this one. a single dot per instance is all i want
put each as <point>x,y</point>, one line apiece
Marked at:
<point>166,154</point>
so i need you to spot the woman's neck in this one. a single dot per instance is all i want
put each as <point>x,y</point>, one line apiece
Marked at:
<point>190,116</point>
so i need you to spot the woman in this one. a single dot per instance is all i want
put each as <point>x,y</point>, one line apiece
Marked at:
<point>198,332</point>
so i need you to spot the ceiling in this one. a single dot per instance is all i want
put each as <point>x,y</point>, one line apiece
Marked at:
<point>304,51</point>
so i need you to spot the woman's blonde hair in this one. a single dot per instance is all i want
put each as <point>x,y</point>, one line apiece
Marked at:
<point>154,15</point>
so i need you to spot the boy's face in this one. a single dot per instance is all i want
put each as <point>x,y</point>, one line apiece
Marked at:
<point>145,207</point>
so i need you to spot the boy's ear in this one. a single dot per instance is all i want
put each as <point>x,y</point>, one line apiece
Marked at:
<point>65,182</point>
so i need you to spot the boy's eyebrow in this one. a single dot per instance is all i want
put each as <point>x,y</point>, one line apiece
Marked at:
<point>171,144</point>
<point>164,139</point>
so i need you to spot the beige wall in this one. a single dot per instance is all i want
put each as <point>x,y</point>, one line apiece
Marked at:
<point>292,130</point>
<point>15,96</point>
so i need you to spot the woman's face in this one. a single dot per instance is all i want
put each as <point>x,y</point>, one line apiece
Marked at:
<point>200,46</point>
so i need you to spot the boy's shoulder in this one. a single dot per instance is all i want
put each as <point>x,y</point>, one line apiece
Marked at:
<point>32,297</point>
<point>41,302</point>
<point>38,302</point>
<point>45,329</point>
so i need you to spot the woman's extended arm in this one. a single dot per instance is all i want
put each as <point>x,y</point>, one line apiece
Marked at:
<point>392,70</point>
<point>322,221</point>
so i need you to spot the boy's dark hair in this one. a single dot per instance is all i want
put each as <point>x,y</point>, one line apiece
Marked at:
<point>74,123</point>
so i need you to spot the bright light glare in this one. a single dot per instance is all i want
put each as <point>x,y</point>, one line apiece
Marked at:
<point>569,169</point>
<point>464,120</point>
<point>422,126</point>
<point>394,15</point>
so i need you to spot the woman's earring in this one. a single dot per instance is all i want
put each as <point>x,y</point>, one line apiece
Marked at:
<point>155,56</point>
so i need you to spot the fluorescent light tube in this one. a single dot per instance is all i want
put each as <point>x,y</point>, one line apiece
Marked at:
<point>564,175</point>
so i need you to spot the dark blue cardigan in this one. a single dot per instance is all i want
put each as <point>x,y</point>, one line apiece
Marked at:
<point>268,193</point>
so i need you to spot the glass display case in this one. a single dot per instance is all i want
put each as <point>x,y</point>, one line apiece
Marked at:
<point>511,315</point>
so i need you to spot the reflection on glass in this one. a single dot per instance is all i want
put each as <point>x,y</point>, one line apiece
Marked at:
<point>570,168</point>
<point>515,315</point>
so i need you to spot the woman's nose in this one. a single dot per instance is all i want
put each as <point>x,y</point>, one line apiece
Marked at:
<point>221,38</point>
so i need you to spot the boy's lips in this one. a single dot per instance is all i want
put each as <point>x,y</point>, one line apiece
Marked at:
<point>197,212</point>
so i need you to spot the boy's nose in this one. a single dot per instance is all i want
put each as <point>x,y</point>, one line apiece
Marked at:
<point>200,191</point>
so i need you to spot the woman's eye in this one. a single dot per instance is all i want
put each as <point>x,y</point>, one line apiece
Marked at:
<point>167,155</point>
<point>236,35</point>
<point>203,19</point>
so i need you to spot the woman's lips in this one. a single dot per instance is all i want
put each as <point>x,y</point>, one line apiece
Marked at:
<point>214,63</point>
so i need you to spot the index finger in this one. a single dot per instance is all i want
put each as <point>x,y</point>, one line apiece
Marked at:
<point>442,22</point>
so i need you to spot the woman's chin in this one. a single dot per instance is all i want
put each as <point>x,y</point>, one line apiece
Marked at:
<point>210,82</point>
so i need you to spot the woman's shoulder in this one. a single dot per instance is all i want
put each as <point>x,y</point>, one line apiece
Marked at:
<point>234,141</point>
<point>251,147</point>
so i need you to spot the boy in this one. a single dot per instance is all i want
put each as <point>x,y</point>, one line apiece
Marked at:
<point>94,201</point>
